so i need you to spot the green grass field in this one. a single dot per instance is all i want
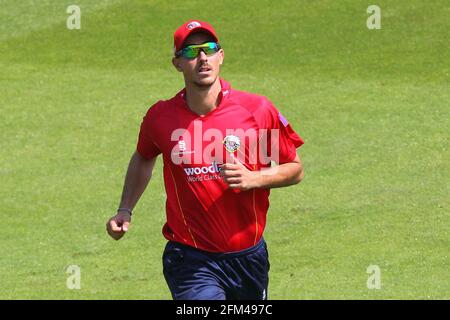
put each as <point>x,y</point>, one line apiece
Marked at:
<point>372,105</point>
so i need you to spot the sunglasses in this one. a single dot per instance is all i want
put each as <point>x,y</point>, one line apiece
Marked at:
<point>191,52</point>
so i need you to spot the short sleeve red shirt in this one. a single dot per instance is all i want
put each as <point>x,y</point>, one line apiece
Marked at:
<point>201,210</point>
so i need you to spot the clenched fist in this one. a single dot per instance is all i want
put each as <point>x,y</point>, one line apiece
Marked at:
<point>118,225</point>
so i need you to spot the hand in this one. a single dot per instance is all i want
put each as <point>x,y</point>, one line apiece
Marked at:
<point>237,176</point>
<point>118,225</point>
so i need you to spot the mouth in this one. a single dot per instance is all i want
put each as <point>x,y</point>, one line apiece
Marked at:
<point>204,69</point>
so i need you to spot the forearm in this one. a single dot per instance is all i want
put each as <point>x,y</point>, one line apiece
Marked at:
<point>138,175</point>
<point>280,176</point>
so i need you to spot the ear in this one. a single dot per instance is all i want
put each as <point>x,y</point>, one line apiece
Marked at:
<point>176,64</point>
<point>222,56</point>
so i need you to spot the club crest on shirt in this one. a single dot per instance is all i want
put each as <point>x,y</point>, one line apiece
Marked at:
<point>232,143</point>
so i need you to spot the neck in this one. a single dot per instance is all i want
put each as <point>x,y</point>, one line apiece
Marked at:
<point>203,99</point>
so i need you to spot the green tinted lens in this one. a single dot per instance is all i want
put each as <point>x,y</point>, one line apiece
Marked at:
<point>211,48</point>
<point>191,52</point>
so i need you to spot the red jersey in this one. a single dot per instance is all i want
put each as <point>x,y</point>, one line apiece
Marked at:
<point>202,211</point>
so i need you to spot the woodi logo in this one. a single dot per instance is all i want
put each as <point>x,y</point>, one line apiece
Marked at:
<point>214,168</point>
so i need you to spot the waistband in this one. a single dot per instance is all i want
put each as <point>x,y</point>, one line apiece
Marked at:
<point>217,255</point>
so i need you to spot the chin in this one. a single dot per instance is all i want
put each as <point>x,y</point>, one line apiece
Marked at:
<point>206,82</point>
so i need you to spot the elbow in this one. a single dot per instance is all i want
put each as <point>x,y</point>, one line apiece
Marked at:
<point>299,176</point>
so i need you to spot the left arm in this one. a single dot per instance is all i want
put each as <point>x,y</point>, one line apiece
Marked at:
<point>237,176</point>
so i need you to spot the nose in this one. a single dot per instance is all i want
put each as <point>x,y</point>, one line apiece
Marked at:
<point>202,55</point>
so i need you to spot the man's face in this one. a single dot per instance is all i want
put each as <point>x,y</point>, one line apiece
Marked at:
<point>202,70</point>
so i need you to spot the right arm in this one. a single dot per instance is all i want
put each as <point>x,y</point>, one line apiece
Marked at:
<point>138,175</point>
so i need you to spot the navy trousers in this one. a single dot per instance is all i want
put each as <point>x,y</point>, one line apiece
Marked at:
<point>193,274</point>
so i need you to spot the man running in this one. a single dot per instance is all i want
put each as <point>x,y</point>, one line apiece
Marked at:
<point>223,150</point>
